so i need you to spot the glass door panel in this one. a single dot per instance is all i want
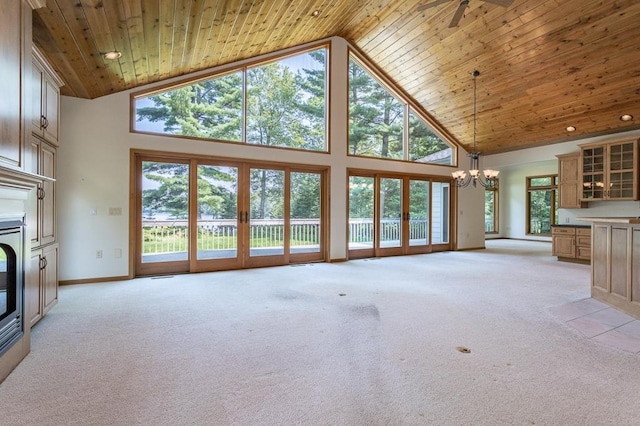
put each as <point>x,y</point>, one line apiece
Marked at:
<point>440,213</point>
<point>217,220</point>
<point>165,212</point>
<point>390,212</point>
<point>361,212</point>
<point>418,216</point>
<point>593,173</point>
<point>305,212</point>
<point>266,212</point>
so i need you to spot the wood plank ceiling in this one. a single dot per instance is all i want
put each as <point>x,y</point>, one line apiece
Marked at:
<point>544,64</point>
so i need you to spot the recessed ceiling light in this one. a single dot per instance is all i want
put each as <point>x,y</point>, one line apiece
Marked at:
<point>626,117</point>
<point>315,13</point>
<point>571,129</point>
<point>113,55</point>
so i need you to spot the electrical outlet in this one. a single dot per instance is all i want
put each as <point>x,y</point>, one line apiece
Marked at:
<point>98,254</point>
<point>115,211</point>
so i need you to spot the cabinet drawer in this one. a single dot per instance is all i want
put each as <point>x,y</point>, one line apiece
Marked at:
<point>563,231</point>
<point>583,253</point>
<point>583,241</point>
<point>584,231</point>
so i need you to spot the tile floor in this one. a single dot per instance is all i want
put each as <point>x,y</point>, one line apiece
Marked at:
<point>601,323</point>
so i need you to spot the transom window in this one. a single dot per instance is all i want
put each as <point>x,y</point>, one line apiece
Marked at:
<point>384,125</point>
<point>282,103</point>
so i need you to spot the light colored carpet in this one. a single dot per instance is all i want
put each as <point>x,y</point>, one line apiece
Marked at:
<point>367,342</point>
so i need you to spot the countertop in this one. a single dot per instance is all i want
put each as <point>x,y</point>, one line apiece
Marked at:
<point>570,225</point>
<point>630,220</point>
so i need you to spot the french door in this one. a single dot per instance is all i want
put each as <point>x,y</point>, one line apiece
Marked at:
<point>196,215</point>
<point>394,215</point>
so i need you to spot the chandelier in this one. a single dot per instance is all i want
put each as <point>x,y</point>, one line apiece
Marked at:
<point>462,178</point>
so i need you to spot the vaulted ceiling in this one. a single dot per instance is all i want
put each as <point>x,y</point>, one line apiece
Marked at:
<point>544,64</point>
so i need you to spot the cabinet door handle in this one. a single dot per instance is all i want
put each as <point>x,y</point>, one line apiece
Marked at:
<point>41,193</point>
<point>46,262</point>
<point>43,263</point>
<point>44,122</point>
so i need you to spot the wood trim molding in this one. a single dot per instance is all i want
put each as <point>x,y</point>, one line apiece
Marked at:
<point>94,280</point>
<point>19,179</point>
<point>36,4</point>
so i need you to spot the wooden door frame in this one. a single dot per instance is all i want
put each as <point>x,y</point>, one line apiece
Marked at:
<point>192,264</point>
<point>406,177</point>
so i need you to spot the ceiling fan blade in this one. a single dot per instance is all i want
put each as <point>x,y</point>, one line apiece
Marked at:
<point>459,13</point>
<point>432,4</point>
<point>503,3</point>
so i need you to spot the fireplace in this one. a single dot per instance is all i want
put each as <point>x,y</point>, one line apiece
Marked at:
<point>18,192</point>
<point>11,288</point>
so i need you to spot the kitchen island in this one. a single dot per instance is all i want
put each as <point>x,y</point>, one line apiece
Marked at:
<point>615,262</point>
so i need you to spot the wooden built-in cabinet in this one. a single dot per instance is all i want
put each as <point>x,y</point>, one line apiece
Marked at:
<point>609,171</point>
<point>15,47</point>
<point>41,286</point>
<point>571,243</point>
<point>569,181</point>
<point>45,102</point>
<point>42,229</point>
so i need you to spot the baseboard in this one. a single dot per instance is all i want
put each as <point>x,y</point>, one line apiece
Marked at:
<point>93,280</point>
<point>342,259</point>
<point>534,240</point>
<point>471,248</point>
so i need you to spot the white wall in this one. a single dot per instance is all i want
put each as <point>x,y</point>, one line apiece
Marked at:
<point>93,176</point>
<point>470,217</point>
<point>515,166</point>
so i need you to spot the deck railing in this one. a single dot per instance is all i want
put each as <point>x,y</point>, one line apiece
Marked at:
<point>168,236</point>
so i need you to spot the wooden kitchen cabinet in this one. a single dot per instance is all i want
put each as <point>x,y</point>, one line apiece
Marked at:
<point>569,182</point>
<point>583,244</point>
<point>571,243</point>
<point>616,263</point>
<point>610,171</point>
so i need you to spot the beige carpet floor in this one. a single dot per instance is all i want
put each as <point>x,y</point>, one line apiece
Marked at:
<point>366,342</point>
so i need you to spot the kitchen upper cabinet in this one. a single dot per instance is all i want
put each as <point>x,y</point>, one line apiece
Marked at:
<point>45,99</point>
<point>610,171</point>
<point>569,185</point>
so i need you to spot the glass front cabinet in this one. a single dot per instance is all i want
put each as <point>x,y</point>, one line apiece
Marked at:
<point>610,171</point>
